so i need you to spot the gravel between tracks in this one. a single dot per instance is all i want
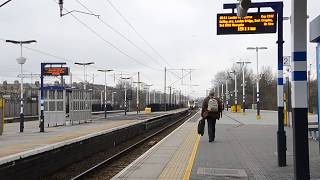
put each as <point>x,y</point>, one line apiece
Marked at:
<point>109,170</point>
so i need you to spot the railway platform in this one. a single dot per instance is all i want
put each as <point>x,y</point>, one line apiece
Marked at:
<point>16,145</point>
<point>244,148</point>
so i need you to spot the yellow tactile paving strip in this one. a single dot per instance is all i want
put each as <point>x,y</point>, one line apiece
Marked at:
<point>176,167</point>
<point>17,148</point>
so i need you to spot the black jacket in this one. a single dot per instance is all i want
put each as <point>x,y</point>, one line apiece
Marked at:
<point>210,115</point>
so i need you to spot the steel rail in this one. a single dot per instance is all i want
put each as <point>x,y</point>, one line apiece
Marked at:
<point>126,150</point>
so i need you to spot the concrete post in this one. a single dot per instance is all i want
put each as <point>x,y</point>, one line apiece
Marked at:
<point>218,91</point>
<point>125,97</point>
<point>299,89</point>
<point>227,95</point>
<point>138,91</point>
<point>164,90</point>
<point>243,89</point>
<point>258,79</point>
<point>105,95</point>
<point>1,115</point>
<point>235,91</point>
<point>222,94</point>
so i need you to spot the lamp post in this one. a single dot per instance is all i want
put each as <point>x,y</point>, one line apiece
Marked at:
<point>84,78</point>
<point>84,72</point>
<point>125,94</point>
<point>138,91</point>
<point>21,60</point>
<point>258,76</point>
<point>242,64</point>
<point>105,89</point>
<point>227,95</point>
<point>218,90</point>
<point>148,95</point>
<point>112,98</point>
<point>222,96</point>
<point>235,90</point>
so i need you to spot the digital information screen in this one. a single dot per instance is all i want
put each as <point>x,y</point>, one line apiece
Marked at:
<point>56,71</point>
<point>253,23</point>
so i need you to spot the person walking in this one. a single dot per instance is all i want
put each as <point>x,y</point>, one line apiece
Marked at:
<point>211,110</point>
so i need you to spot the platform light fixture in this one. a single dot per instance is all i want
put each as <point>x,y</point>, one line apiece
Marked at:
<point>21,60</point>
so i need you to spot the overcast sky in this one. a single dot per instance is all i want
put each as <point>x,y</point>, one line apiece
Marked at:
<point>183,32</point>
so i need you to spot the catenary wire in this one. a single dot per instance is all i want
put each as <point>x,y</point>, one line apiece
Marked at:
<point>120,34</point>
<point>138,34</point>
<point>108,42</point>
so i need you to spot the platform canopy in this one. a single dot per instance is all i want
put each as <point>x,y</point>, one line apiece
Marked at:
<point>315,30</point>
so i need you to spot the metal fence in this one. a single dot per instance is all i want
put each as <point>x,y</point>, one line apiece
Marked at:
<point>12,103</point>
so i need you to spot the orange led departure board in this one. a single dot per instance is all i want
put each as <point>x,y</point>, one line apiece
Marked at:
<point>253,23</point>
<point>56,71</point>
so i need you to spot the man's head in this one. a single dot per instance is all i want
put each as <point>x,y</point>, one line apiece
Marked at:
<point>211,93</point>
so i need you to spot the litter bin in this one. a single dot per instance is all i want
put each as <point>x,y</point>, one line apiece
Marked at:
<point>238,108</point>
<point>2,116</point>
<point>233,108</point>
<point>147,110</point>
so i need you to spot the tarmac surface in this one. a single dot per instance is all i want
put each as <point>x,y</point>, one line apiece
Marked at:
<point>248,145</point>
<point>244,148</point>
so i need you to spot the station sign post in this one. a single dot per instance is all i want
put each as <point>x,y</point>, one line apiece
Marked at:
<point>49,69</point>
<point>260,23</point>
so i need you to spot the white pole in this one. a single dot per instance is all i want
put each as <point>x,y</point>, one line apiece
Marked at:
<point>138,90</point>
<point>105,94</point>
<point>235,91</point>
<point>21,93</point>
<point>84,77</point>
<point>149,96</point>
<point>125,97</point>
<point>164,90</point>
<point>112,99</point>
<point>299,89</point>
<point>101,99</point>
<point>146,97</point>
<point>227,95</point>
<point>243,89</point>
<point>222,91</point>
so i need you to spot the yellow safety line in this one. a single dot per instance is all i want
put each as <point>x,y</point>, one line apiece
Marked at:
<point>191,160</point>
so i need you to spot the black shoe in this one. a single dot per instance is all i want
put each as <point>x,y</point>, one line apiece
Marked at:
<point>211,140</point>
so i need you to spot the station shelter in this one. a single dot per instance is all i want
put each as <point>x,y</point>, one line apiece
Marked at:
<point>63,106</point>
<point>80,105</point>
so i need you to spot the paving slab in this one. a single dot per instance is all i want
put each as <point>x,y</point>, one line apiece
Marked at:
<point>248,145</point>
<point>168,159</point>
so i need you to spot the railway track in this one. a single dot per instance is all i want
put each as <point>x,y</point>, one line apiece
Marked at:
<point>132,151</point>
